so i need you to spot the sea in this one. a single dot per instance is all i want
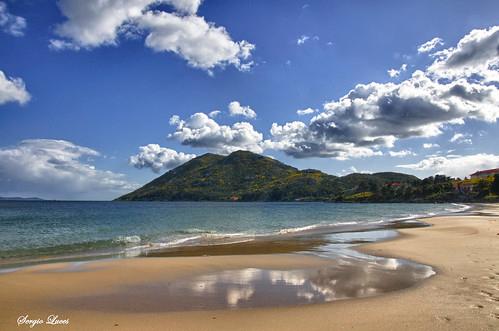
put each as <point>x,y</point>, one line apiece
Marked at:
<point>37,231</point>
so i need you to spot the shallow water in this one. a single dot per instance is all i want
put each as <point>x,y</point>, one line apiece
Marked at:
<point>39,230</point>
<point>350,274</point>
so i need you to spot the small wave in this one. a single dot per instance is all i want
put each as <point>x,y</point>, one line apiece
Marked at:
<point>194,231</point>
<point>344,223</point>
<point>314,227</point>
<point>300,229</point>
<point>376,222</point>
<point>224,235</point>
<point>409,217</point>
<point>127,239</point>
<point>207,238</point>
<point>174,242</point>
<point>459,208</point>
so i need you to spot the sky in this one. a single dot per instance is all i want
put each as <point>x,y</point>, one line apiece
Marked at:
<point>99,97</point>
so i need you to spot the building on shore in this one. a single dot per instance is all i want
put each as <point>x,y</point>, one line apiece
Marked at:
<point>485,173</point>
<point>467,186</point>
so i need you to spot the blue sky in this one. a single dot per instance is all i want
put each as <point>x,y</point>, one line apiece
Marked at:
<point>83,89</point>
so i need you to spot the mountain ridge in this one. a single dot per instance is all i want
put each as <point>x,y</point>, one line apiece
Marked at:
<point>246,176</point>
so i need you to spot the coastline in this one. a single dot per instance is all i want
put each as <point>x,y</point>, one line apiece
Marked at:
<point>198,240</point>
<point>462,296</point>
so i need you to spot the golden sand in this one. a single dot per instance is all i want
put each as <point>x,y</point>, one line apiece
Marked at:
<point>464,295</point>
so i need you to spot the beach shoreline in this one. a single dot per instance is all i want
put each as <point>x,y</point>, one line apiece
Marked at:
<point>464,295</point>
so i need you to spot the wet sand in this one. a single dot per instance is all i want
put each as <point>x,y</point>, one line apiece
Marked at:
<point>464,295</point>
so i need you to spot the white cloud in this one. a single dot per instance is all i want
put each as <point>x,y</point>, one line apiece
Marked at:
<point>185,6</point>
<point>430,45</point>
<point>353,170</point>
<point>214,113</point>
<point>368,118</point>
<point>302,39</point>
<point>158,158</point>
<point>94,23</point>
<point>201,131</point>
<point>455,166</point>
<point>474,57</point>
<point>396,72</point>
<point>430,145</point>
<point>11,24</point>
<point>376,115</point>
<point>202,44</point>
<point>306,111</point>
<point>401,153</point>
<point>235,109</point>
<point>62,45</point>
<point>54,169</point>
<point>296,139</point>
<point>461,138</point>
<point>12,90</point>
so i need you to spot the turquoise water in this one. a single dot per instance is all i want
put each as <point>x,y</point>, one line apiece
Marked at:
<point>40,229</point>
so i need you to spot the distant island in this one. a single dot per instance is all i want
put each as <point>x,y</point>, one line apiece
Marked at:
<point>246,176</point>
<point>20,199</point>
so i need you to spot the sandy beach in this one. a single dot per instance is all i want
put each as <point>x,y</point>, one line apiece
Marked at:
<point>463,295</point>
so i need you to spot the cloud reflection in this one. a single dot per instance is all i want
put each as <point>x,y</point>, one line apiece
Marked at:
<point>345,277</point>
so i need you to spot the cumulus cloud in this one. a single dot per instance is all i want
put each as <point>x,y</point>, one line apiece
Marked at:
<point>202,44</point>
<point>296,139</point>
<point>11,24</point>
<point>12,90</point>
<point>306,111</point>
<point>235,109</point>
<point>430,45</point>
<point>393,73</point>
<point>185,6</point>
<point>430,145</point>
<point>368,118</point>
<point>158,158</point>
<point>401,153</point>
<point>455,166</point>
<point>55,169</point>
<point>476,56</point>
<point>202,131</point>
<point>375,115</point>
<point>461,138</point>
<point>95,23</point>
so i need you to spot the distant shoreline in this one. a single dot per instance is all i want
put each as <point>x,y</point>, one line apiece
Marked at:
<point>21,199</point>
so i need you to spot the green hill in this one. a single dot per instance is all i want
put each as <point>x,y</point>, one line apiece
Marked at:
<point>245,176</point>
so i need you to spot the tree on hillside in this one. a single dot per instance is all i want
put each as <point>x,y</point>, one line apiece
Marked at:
<point>494,188</point>
<point>482,188</point>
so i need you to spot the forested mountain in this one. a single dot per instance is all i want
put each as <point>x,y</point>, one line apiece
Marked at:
<point>245,176</point>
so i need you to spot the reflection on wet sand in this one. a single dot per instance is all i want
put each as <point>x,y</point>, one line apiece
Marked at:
<point>346,277</point>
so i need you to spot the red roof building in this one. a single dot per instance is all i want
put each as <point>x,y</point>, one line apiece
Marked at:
<point>485,173</point>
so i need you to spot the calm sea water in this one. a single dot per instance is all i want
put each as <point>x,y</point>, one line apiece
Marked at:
<point>38,229</point>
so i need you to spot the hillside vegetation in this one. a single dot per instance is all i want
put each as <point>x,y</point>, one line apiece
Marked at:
<point>245,176</point>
